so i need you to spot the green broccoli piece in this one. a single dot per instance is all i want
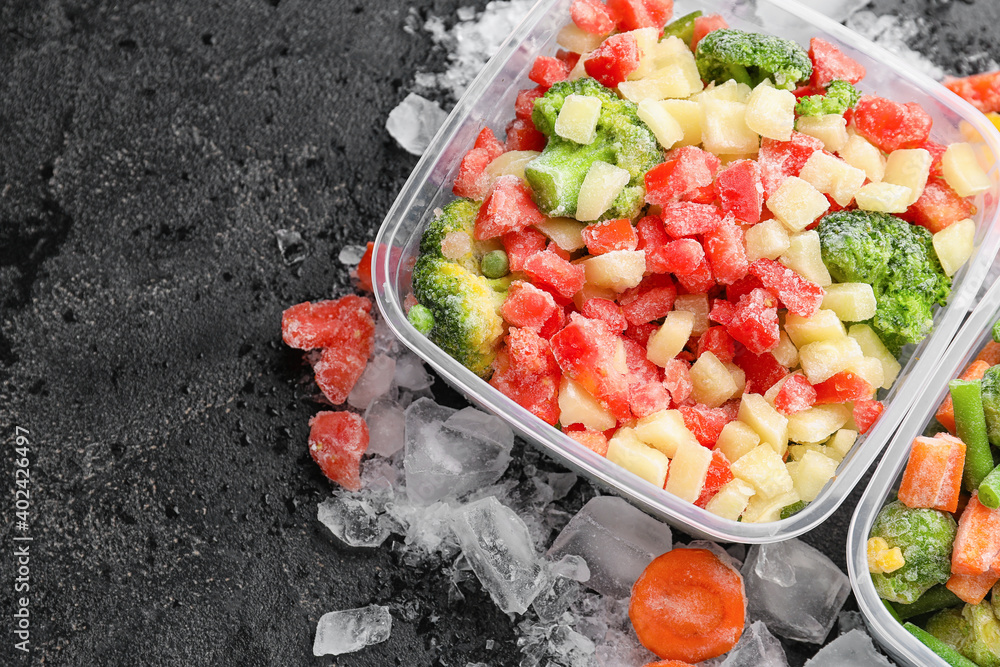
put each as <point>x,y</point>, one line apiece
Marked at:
<point>458,306</point>
<point>750,57</point>
<point>840,96</point>
<point>972,630</point>
<point>996,332</point>
<point>682,28</point>
<point>991,404</point>
<point>622,140</point>
<point>925,537</point>
<point>897,259</point>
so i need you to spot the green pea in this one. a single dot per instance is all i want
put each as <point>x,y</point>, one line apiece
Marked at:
<point>495,264</point>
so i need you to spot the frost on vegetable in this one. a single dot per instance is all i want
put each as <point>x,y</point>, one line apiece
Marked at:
<point>924,537</point>
<point>972,630</point>
<point>750,58</point>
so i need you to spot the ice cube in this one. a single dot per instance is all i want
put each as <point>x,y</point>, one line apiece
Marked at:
<point>796,590</point>
<point>427,529</point>
<point>467,451</point>
<point>414,122</point>
<point>756,648</point>
<point>411,374</point>
<point>375,381</point>
<point>386,426</point>
<point>350,255</point>
<point>499,549</point>
<point>351,630</point>
<point>556,599</point>
<point>616,540</point>
<point>850,620</point>
<point>622,649</point>
<point>385,340</point>
<point>354,521</point>
<point>854,648</point>
<point>571,567</point>
<point>292,247</point>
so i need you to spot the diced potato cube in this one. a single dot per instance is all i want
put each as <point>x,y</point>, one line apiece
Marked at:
<point>768,510</point>
<point>824,359</point>
<point>576,40</point>
<point>736,439</point>
<point>796,452</point>
<point>688,115</point>
<point>739,377</point>
<point>796,203</point>
<point>730,91</point>
<point>786,353</point>
<point>677,79</point>
<point>771,112</point>
<point>768,423</point>
<point>817,423</point>
<point>670,338</point>
<point>592,291</point>
<point>687,471</point>
<point>578,406</point>
<point>805,257</point>
<point>833,176</point>
<point>724,129</point>
<point>909,167</point>
<point>601,185</point>
<point>962,171</point>
<point>883,197</point>
<point>684,62</point>
<point>664,127</point>
<point>731,500</point>
<point>871,346</point>
<point>841,443</point>
<point>772,393</point>
<point>859,152</point>
<point>870,370</point>
<point>577,119</point>
<point>853,302</point>
<point>647,39</point>
<point>814,471</point>
<point>566,233</point>
<point>954,245</point>
<point>713,383</point>
<point>766,239</point>
<point>824,325</point>
<point>665,430</point>
<point>631,453</point>
<point>510,163</point>
<point>697,305</point>
<point>831,129</point>
<point>763,468</point>
<point>618,270</point>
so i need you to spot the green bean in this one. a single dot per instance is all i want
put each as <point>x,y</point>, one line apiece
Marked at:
<point>794,508</point>
<point>934,599</point>
<point>989,489</point>
<point>892,610</point>
<point>682,28</point>
<point>970,422</point>
<point>945,652</point>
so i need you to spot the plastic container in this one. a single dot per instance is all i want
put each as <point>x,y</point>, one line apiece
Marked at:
<point>899,643</point>
<point>489,101</point>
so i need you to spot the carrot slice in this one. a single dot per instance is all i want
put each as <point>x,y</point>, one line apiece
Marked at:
<point>990,354</point>
<point>933,475</point>
<point>668,663</point>
<point>977,542</point>
<point>972,588</point>
<point>688,605</point>
<point>946,413</point>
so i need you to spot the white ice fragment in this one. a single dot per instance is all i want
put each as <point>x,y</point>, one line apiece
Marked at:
<point>351,630</point>
<point>850,620</point>
<point>381,475</point>
<point>852,648</point>
<point>499,549</point>
<point>555,600</point>
<point>838,10</point>
<point>291,246</point>
<point>571,567</point>
<point>616,540</point>
<point>561,483</point>
<point>354,521</point>
<point>386,422</point>
<point>802,605</point>
<point>757,648</point>
<point>622,649</point>
<point>414,122</point>
<point>427,529</point>
<point>411,373</point>
<point>350,255</point>
<point>375,381</point>
<point>385,340</point>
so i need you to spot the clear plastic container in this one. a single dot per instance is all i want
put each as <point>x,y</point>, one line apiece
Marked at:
<point>489,101</point>
<point>890,634</point>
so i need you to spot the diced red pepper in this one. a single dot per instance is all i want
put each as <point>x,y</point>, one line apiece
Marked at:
<point>648,398</point>
<point>488,142</point>
<point>521,245</point>
<point>472,180</point>
<point>933,475</point>
<point>592,16</point>
<point>744,285</point>
<point>780,159</point>
<point>337,441</point>
<point>755,321</point>
<point>602,237</point>
<point>682,219</point>
<point>641,333</point>
<point>677,380</point>
<point>585,351</point>
<point>704,422</point>
<point>830,63</point>
<point>704,25</point>
<point>842,387</point>
<point>938,207</point>
<point>866,413</point>
<point>635,14</point>
<point>548,70</point>
<point>698,281</point>
<point>681,257</point>
<point>612,61</point>
<point>547,269</point>
<point>607,311</point>
<point>508,208</point>
<point>795,395</point>
<point>722,312</point>
<point>522,135</point>
<point>686,170</point>
<point>524,105</point>
<point>891,125</point>
<point>526,371</point>
<point>640,369</point>
<point>937,152</point>
<point>726,251</point>
<point>365,269</point>
<point>312,325</point>
<point>651,233</point>
<point>799,295</point>
<point>527,306</point>
<point>718,475</point>
<point>650,300</point>
<point>980,90</point>
<point>717,341</point>
<point>741,191</point>
<point>762,371</point>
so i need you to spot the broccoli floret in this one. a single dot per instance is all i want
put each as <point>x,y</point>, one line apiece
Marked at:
<point>991,403</point>
<point>682,28</point>
<point>925,537</point>
<point>897,259</point>
<point>840,96</point>
<point>622,140</point>
<point>996,332</point>
<point>750,57</point>
<point>972,630</point>
<point>457,305</point>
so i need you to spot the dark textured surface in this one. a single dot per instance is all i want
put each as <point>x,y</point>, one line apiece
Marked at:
<point>148,153</point>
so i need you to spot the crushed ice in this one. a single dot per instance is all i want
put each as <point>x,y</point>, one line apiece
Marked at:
<point>414,122</point>
<point>292,247</point>
<point>351,630</point>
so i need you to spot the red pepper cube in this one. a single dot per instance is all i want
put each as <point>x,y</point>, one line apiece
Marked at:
<point>526,371</point>
<point>592,440</point>
<point>686,170</point>
<point>744,285</point>
<point>635,14</point>
<point>705,423</point>
<point>650,232</point>
<point>524,104</point>
<point>718,475</point>
<point>547,269</point>
<point>585,350</point>
<point>508,208</point>
<point>980,90</point>
<point>933,475</point>
<point>842,387</point>
<point>780,159</point>
<point>592,16</point>
<point>521,245</point>
<point>527,306</point>
<point>488,142</point>
<point>717,341</point>
<point>830,63</point>
<point>682,219</point>
<point>648,398</point>
<point>726,251</point>
<point>698,281</point>
<point>650,300</point>
<point>722,312</point>
<point>640,369</point>
<point>795,395</point>
<point>704,25</point>
<point>680,257</point>
<point>641,333</point>
<point>612,61</point>
<point>523,136</point>
<point>548,70</point>
<point>799,295</point>
<point>891,125</point>
<point>938,207</point>
<point>937,152</point>
<point>741,191</point>
<point>365,268</point>
<point>755,322</point>
<point>677,380</point>
<point>317,324</point>
<point>607,311</point>
<point>866,413</point>
<point>610,235</point>
<point>472,180</point>
<point>762,371</point>
<point>337,441</point>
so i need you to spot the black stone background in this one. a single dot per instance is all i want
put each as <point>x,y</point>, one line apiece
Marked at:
<point>148,153</point>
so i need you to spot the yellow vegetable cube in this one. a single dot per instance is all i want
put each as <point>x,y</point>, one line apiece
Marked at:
<point>713,383</point>
<point>786,353</point>
<point>871,346</point>
<point>665,430</point>
<point>813,472</point>
<point>823,325</point>
<point>631,453</point>
<point>962,171</point>
<point>954,245</point>
<point>768,423</point>
<point>824,359</point>
<point>884,197</point>
<point>796,203</point>
<point>859,152</point>
<point>601,185</point>
<point>767,510</point>
<point>731,500</point>
<point>577,119</point>
<point>909,167</point>
<point>687,471</point>
<point>890,560</point>
<point>817,423</point>
<point>770,112</point>
<point>833,176</point>
<point>766,239</point>
<point>618,270</point>
<point>736,439</point>
<point>576,40</point>
<point>831,129</point>
<point>724,129</point>
<point>840,444</point>
<point>853,302</point>
<point>510,163</point>
<point>566,233</point>
<point>697,305</point>
<point>764,470</point>
<point>667,341</point>
<point>578,406</point>
<point>805,257</point>
<point>664,127</point>
<point>688,115</point>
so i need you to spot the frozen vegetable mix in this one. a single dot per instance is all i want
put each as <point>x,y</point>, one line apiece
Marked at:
<point>750,58</point>
<point>924,538</point>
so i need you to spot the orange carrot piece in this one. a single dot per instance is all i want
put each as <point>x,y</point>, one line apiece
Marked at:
<point>946,413</point>
<point>972,588</point>
<point>990,354</point>
<point>688,605</point>
<point>977,542</point>
<point>933,475</point>
<point>668,663</point>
